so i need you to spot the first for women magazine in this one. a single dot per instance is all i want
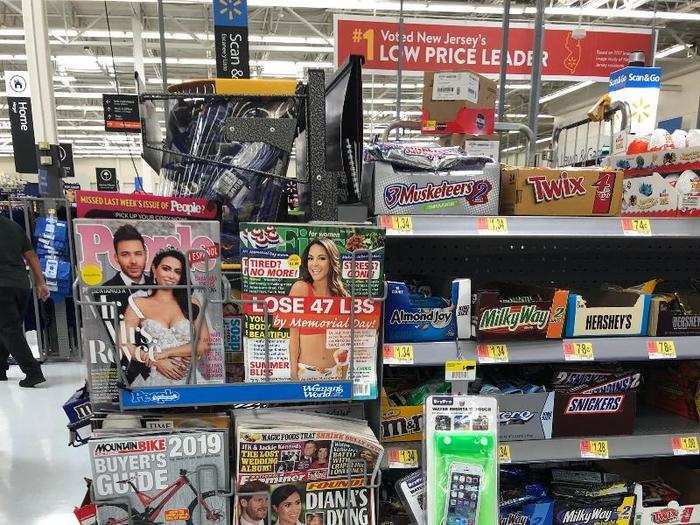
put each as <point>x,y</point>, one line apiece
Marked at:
<point>155,326</point>
<point>307,285</point>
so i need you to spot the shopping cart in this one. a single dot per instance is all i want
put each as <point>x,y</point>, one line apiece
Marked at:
<point>564,155</point>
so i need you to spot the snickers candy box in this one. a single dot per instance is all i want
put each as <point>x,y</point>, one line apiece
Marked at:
<point>519,312</point>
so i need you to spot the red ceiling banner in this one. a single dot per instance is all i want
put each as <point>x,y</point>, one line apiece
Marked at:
<point>434,45</point>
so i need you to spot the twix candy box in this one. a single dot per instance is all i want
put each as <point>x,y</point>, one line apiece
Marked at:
<point>519,312</point>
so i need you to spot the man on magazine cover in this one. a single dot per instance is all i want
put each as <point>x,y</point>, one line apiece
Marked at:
<point>130,254</point>
<point>307,457</point>
<point>253,497</point>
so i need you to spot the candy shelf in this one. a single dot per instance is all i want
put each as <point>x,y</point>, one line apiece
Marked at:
<point>653,437</point>
<point>664,169</point>
<point>551,351</point>
<point>430,226</point>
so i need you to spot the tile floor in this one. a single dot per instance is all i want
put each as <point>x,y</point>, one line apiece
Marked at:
<point>41,477</point>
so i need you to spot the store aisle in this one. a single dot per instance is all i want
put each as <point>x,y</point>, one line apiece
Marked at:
<point>41,477</point>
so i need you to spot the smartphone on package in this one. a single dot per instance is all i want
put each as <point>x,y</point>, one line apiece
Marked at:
<point>462,504</point>
<point>461,467</point>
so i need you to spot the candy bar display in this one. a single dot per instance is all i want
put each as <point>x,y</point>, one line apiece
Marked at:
<point>414,180</point>
<point>593,402</point>
<point>570,191</point>
<point>675,314</point>
<point>507,311</point>
<point>607,313</point>
<point>412,317</point>
<point>675,388</point>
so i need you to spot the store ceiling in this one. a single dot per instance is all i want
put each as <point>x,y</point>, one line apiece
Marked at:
<point>286,37</point>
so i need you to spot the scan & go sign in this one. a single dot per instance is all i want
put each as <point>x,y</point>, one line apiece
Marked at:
<point>433,45</point>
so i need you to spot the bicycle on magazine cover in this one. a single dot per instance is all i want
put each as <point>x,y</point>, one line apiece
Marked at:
<point>121,514</point>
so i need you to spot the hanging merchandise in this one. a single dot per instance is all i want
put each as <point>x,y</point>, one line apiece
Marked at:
<point>305,285</point>
<point>232,148</point>
<point>296,468</point>
<point>113,258</point>
<point>461,465</point>
<point>51,241</point>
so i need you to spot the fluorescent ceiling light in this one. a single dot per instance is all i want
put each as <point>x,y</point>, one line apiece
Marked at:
<point>672,50</point>
<point>541,141</point>
<point>450,8</point>
<point>566,91</point>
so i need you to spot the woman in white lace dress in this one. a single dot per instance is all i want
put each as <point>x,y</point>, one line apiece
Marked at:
<point>162,317</point>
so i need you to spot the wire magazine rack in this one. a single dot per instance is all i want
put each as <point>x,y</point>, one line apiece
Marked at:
<point>193,394</point>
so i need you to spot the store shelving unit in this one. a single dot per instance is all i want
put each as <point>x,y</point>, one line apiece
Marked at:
<point>580,252</point>
<point>428,226</point>
<point>552,351</point>
<point>654,436</point>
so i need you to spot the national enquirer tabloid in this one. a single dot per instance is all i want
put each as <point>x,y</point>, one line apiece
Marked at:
<point>314,477</point>
<point>154,325</point>
<point>303,274</point>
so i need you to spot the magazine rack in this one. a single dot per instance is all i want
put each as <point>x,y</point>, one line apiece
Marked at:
<point>128,515</point>
<point>192,394</point>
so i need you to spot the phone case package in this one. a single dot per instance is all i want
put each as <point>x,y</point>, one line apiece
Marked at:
<point>461,467</point>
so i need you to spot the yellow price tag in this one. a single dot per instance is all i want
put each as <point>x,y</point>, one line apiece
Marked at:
<point>594,449</point>
<point>504,453</point>
<point>492,353</point>
<point>462,370</point>
<point>491,225</point>
<point>636,227</point>
<point>685,445</point>
<point>661,349</point>
<point>398,354</point>
<point>578,351</point>
<point>408,458</point>
<point>397,223</point>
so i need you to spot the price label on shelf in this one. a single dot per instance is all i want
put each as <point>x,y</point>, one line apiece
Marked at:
<point>488,354</point>
<point>685,446</point>
<point>594,449</point>
<point>636,227</point>
<point>403,458</point>
<point>661,349</point>
<point>492,225</point>
<point>397,223</point>
<point>578,351</point>
<point>504,453</point>
<point>461,370</point>
<point>398,354</point>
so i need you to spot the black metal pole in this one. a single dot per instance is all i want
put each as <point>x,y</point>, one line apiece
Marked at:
<point>536,77</point>
<point>504,61</point>
<point>399,67</point>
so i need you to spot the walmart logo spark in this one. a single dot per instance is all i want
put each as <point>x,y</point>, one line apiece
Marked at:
<point>230,8</point>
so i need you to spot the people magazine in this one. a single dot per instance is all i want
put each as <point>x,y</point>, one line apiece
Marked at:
<point>155,327</point>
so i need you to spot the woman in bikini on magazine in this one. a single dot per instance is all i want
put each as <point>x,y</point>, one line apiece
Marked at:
<point>310,355</point>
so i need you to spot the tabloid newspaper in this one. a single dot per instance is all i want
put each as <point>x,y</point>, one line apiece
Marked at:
<point>304,275</point>
<point>153,326</point>
<point>178,477</point>
<point>311,476</point>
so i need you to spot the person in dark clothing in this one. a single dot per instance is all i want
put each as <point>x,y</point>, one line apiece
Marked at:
<point>16,253</point>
